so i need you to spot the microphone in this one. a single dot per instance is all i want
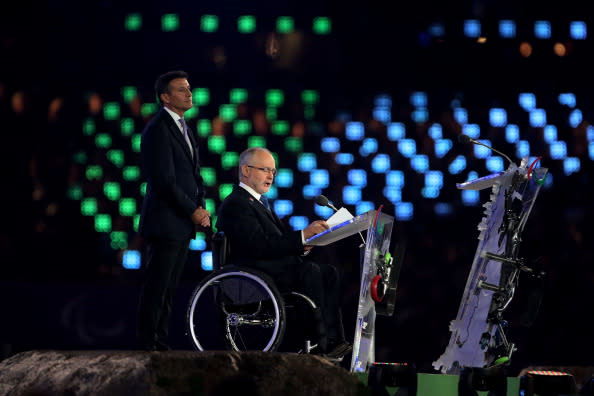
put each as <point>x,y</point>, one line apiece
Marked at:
<point>323,201</point>
<point>465,139</point>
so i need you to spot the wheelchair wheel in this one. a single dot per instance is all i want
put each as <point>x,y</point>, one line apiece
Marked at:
<point>236,309</point>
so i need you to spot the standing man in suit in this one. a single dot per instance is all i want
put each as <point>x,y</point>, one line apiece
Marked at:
<point>259,240</point>
<point>172,207</point>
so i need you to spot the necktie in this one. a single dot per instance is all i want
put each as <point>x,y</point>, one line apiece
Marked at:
<point>185,133</point>
<point>265,202</point>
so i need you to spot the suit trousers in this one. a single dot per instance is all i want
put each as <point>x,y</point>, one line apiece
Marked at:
<point>166,261</point>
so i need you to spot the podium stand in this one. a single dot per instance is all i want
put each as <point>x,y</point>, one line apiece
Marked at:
<point>376,258</point>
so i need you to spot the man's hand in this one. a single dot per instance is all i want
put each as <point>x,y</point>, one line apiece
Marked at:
<point>201,217</point>
<point>315,228</point>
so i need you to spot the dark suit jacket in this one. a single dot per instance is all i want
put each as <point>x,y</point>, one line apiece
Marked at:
<point>257,237</point>
<point>174,185</point>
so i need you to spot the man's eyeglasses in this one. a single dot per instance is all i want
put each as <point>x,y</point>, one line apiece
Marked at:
<point>267,170</point>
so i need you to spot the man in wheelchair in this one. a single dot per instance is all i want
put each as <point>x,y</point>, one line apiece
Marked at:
<point>258,239</point>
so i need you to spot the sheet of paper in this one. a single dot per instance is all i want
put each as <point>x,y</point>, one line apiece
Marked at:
<point>339,217</point>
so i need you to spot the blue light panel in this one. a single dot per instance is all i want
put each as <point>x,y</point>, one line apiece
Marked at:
<point>472,28</point>
<point>298,222</point>
<point>575,118</point>
<point>319,178</point>
<point>284,178</point>
<point>507,29</point>
<point>522,149</point>
<point>567,99</point>
<point>404,210</point>
<point>461,115</point>
<point>354,130</point>
<point>357,177</point>
<point>272,192</point>
<point>497,117</point>
<point>480,151</point>
<point>443,209</point>
<point>407,147</point>
<point>383,114</point>
<point>283,207</point>
<point>527,101</point>
<point>351,195</point>
<point>434,179</point>
<point>420,115</point>
<point>435,131</point>
<point>330,145</point>
<point>457,165</point>
<point>381,163</point>
<point>310,191</point>
<point>206,261</point>
<point>368,146</point>
<point>323,211</point>
<point>198,243</point>
<point>495,164</point>
<point>558,150</point>
<point>383,100</point>
<point>394,194</point>
<point>396,131</point>
<point>395,178</point>
<point>591,150</point>
<point>470,197</point>
<point>538,118</point>
<point>571,165</point>
<point>472,130</point>
<point>306,162</point>
<point>437,29</point>
<point>418,99</point>
<point>131,259</point>
<point>363,207</point>
<point>420,163</point>
<point>344,158</point>
<point>542,29</point>
<point>590,133</point>
<point>512,133</point>
<point>442,147</point>
<point>430,192</point>
<point>578,30</point>
<point>550,133</point>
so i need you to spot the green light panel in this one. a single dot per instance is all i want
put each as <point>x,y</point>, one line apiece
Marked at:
<point>127,206</point>
<point>238,95</point>
<point>275,97</point>
<point>170,22</point>
<point>322,25</point>
<point>229,160</point>
<point>271,113</point>
<point>256,141</point>
<point>201,96</point>
<point>209,176</point>
<point>119,240</point>
<point>143,188</point>
<point>224,190</point>
<point>94,172</point>
<point>89,127</point>
<point>116,157</point>
<point>209,23</point>
<point>136,140</point>
<point>204,128</point>
<point>111,111</point>
<point>216,144</point>
<point>80,157</point>
<point>246,24</point>
<point>136,222</point>
<point>131,173</point>
<point>285,24</point>
<point>103,140</point>
<point>242,127</point>
<point>133,22</point>
<point>294,144</point>
<point>309,96</point>
<point>74,192</point>
<point>280,128</point>
<point>129,93</point>
<point>210,206</point>
<point>191,113</point>
<point>148,109</point>
<point>103,223</point>
<point>112,190</point>
<point>309,112</point>
<point>88,207</point>
<point>228,112</point>
<point>127,126</point>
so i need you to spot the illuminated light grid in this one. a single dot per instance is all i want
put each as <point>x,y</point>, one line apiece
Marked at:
<point>472,28</point>
<point>103,140</point>
<point>127,126</point>
<point>242,127</point>
<point>128,93</point>
<point>418,99</point>
<point>284,178</point>
<point>470,197</point>
<point>522,149</point>
<point>407,147</point>
<point>394,194</point>
<point>310,191</point>
<point>256,141</point>
<point>229,159</point>
<point>357,177</point>
<point>351,195</point>
<point>363,207</point>
<point>420,163</point>
<point>354,130</point>
<point>434,179</point>
<point>209,176</point>
<point>89,127</point>
<point>238,95</point>
<point>591,150</point>
<point>283,207</point>
<point>319,178</point>
<point>437,29</point>
<point>228,112</point>
<point>542,29</point>
<point>306,162</point>
<point>435,131</point>
<point>404,211</point>
<point>209,204</point>
<point>381,163</point>
<point>294,144</point>
<point>131,259</point>
<point>457,165</point>
<point>74,192</point>
<point>369,146</point>
<point>443,209</point>
<point>420,115</point>
<point>169,22</point>
<point>112,190</point>
<point>310,97</point>
<point>200,96</point>
<point>135,142</point>
<point>512,133</point>
<point>382,113</point>
<point>396,131</point>
<point>507,28</point>
<point>578,30</point>
<point>461,115</point>
<point>94,172</point>
<point>209,23</point>
<point>198,243</point>
<point>550,133</point>
<point>275,97</point>
<point>111,111</point>
<point>571,165</point>
<point>481,151</point>
<point>133,22</point>
<point>472,130</point>
<point>344,158</point>
<point>285,24</point>
<point>567,99</point>
<point>430,192</point>
<point>127,206</point>
<point>148,109</point>
<point>280,128</point>
<point>395,178</point>
<point>216,144</point>
<point>224,190</point>
<point>116,157</point>
<point>538,118</point>
<point>322,25</point>
<point>575,118</point>
<point>102,223</point>
<point>558,150</point>
<point>323,211</point>
<point>298,222</point>
<point>495,164</point>
<point>88,206</point>
<point>497,117</point>
<point>527,101</point>
<point>442,146</point>
<point>206,261</point>
<point>246,24</point>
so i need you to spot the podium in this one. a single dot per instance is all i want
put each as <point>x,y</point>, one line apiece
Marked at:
<point>377,268</point>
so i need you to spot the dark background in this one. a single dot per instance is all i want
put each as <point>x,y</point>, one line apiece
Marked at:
<point>63,287</point>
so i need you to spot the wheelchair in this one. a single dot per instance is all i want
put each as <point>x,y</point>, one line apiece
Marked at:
<point>241,309</point>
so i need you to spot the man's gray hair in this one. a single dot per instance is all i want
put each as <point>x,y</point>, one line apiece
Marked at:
<point>246,156</point>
